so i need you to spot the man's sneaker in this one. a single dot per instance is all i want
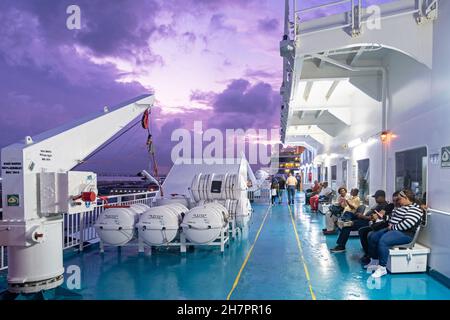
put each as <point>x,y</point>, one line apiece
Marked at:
<point>372,265</point>
<point>338,249</point>
<point>381,271</point>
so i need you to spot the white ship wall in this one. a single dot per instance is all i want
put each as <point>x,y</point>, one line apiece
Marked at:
<point>420,117</point>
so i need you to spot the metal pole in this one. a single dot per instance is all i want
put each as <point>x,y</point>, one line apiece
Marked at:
<point>81,231</point>
<point>286,18</point>
<point>359,14</point>
<point>295,18</point>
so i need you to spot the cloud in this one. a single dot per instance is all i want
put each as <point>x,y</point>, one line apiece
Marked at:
<point>202,97</point>
<point>218,23</point>
<point>50,75</point>
<point>260,74</point>
<point>242,105</point>
<point>268,25</point>
<point>190,37</point>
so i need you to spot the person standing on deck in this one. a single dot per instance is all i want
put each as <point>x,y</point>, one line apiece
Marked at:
<point>291,187</point>
<point>298,176</point>
<point>275,189</point>
<point>282,187</point>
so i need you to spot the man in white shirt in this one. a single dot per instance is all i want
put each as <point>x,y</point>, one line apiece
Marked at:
<point>291,183</point>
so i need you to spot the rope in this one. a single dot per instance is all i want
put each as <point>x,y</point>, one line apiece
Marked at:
<point>151,151</point>
<point>112,140</point>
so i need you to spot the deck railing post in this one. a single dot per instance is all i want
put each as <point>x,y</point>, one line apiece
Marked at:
<point>81,231</point>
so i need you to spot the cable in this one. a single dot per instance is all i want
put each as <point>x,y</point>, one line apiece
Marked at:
<point>108,143</point>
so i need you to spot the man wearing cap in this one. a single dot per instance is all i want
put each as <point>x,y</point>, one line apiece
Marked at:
<point>379,212</point>
<point>362,220</point>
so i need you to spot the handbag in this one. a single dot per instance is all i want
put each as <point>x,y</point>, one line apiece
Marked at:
<point>274,192</point>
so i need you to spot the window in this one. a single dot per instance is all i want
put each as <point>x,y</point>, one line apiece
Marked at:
<point>334,173</point>
<point>319,173</point>
<point>411,169</point>
<point>326,174</point>
<point>364,180</point>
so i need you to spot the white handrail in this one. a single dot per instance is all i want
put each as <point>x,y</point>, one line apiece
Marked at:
<point>438,211</point>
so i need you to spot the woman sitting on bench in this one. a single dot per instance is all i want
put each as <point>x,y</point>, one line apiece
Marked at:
<point>401,229</point>
<point>335,212</point>
<point>314,200</point>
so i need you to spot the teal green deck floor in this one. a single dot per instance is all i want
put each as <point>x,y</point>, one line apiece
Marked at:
<point>276,268</point>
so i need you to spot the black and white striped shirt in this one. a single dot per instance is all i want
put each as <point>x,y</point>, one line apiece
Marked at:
<point>406,218</point>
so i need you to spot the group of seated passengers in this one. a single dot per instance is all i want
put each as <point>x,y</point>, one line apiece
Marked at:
<point>319,192</point>
<point>383,226</point>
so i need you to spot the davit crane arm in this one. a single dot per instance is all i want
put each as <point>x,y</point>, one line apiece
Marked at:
<point>38,187</point>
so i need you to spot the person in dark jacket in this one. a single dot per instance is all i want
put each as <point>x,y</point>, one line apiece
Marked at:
<point>275,190</point>
<point>360,220</point>
<point>402,225</point>
<point>385,210</point>
<point>282,187</point>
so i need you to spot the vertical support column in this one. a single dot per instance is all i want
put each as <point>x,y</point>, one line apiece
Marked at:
<point>356,18</point>
<point>81,245</point>
<point>222,240</point>
<point>141,248</point>
<point>182,242</point>
<point>385,124</point>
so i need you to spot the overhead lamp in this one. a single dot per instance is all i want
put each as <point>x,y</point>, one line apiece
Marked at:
<point>387,136</point>
<point>354,143</point>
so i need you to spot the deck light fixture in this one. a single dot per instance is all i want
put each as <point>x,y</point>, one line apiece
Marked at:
<point>387,136</point>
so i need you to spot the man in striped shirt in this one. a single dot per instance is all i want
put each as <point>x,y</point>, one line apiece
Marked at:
<point>401,229</point>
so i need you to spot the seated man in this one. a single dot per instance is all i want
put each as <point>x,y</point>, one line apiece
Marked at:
<point>380,213</point>
<point>359,220</point>
<point>314,200</point>
<point>401,229</point>
<point>336,209</point>
<point>351,205</point>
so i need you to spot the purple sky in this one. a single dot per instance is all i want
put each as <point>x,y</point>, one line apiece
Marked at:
<point>211,60</point>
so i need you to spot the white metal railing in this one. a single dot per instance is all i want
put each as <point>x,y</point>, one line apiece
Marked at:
<point>260,196</point>
<point>354,15</point>
<point>3,258</point>
<point>78,228</point>
<point>430,211</point>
